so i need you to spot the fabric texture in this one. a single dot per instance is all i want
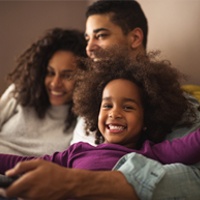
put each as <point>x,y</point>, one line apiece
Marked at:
<point>154,181</point>
<point>194,90</point>
<point>23,133</point>
<point>174,181</point>
<point>139,170</point>
<point>105,156</point>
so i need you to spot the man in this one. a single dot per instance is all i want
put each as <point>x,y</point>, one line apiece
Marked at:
<point>135,175</point>
<point>110,24</point>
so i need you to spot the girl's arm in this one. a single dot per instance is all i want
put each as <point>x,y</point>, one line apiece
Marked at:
<point>185,150</point>
<point>8,161</point>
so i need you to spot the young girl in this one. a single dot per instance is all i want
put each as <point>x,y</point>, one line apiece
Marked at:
<point>129,105</point>
<point>35,111</point>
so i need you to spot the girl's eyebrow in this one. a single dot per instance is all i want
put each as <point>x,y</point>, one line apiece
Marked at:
<point>106,98</point>
<point>124,100</point>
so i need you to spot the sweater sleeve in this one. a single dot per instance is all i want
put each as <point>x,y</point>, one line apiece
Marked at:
<point>8,161</point>
<point>184,150</point>
<point>8,104</point>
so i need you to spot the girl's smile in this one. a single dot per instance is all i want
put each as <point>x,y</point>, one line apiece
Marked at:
<point>121,113</point>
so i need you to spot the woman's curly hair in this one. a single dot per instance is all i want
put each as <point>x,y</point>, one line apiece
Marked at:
<point>160,84</point>
<point>31,68</point>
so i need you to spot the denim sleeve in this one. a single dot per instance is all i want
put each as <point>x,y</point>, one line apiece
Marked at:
<point>142,173</point>
<point>152,180</point>
<point>180,182</point>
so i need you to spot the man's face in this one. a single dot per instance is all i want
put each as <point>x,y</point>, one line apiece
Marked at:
<point>101,34</point>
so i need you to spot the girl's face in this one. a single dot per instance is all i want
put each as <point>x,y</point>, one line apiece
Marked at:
<point>58,81</point>
<point>121,113</point>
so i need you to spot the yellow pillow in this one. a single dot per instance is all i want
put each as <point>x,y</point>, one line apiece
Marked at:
<point>193,90</point>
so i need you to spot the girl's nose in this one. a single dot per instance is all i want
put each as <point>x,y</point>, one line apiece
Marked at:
<point>114,114</point>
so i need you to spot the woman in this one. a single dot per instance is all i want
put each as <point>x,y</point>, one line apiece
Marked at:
<point>35,111</point>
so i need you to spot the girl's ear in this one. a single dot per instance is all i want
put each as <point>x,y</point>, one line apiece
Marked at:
<point>136,38</point>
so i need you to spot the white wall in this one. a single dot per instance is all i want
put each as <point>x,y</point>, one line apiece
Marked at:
<point>174,29</point>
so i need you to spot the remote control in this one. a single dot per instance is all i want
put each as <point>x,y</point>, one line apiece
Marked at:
<point>6,181</point>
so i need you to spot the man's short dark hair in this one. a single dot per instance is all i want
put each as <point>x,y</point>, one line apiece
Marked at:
<point>127,14</point>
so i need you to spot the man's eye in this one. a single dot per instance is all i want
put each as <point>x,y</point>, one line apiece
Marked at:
<point>87,39</point>
<point>102,35</point>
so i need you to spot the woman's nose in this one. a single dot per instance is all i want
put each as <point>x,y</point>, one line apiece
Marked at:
<point>56,81</point>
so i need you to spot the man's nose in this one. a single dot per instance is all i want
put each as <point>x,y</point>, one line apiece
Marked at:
<point>92,45</point>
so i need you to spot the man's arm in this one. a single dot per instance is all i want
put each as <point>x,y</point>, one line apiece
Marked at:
<point>44,180</point>
<point>152,180</point>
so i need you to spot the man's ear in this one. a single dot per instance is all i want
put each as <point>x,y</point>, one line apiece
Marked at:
<point>136,38</point>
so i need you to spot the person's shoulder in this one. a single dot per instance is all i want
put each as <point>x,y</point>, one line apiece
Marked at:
<point>80,147</point>
<point>79,134</point>
<point>8,93</point>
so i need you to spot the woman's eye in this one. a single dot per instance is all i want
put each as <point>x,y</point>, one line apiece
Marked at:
<point>66,76</point>
<point>50,73</point>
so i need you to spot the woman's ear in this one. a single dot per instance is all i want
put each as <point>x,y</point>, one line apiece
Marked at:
<point>136,38</point>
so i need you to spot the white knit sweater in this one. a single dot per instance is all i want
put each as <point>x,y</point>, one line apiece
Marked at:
<point>23,133</point>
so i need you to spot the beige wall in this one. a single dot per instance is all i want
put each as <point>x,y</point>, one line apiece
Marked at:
<point>174,29</point>
<point>21,22</point>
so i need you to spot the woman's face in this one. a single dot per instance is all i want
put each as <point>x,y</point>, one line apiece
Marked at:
<point>58,82</point>
<point>121,113</point>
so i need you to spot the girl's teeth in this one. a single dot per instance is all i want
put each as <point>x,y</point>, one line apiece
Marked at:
<point>114,127</point>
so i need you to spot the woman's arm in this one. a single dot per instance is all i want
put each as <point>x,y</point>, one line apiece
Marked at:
<point>8,104</point>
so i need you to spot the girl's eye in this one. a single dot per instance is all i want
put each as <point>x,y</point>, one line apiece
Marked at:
<point>128,108</point>
<point>106,106</point>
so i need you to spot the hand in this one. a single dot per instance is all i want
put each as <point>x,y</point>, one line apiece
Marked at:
<point>43,180</point>
<point>38,181</point>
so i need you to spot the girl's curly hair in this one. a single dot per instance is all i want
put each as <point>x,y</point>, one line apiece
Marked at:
<point>31,68</point>
<point>162,97</point>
